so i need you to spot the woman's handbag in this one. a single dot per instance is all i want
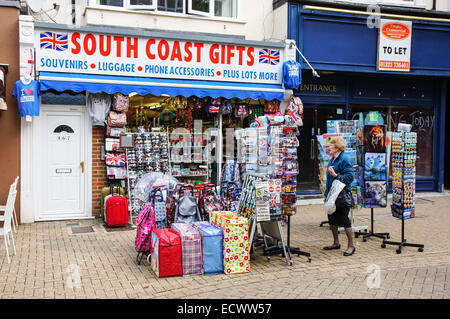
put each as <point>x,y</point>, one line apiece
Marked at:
<point>345,197</point>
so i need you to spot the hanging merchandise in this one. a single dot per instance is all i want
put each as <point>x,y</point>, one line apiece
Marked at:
<point>116,119</point>
<point>241,110</point>
<point>272,107</point>
<point>120,102</point>
<point>213,106</point>
<point>295,110</point>
<point>99,105</point>
<point>115,159</point>
<point>226,107</point>
<point>115,131</point>
<point>27,93</point>
<point>112,144</point>
<point>292,75</point>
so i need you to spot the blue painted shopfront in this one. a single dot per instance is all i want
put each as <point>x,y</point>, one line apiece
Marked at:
<point>344,50</point>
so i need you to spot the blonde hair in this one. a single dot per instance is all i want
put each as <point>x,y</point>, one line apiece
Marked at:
<point>339,143</point>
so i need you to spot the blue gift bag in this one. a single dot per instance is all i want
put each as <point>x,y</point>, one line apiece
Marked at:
<point>212,247</point>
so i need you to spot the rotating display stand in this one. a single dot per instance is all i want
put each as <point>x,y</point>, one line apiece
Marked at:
<point>403,183</point>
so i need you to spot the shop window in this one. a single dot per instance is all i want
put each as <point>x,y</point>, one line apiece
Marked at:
<point>422,121</point>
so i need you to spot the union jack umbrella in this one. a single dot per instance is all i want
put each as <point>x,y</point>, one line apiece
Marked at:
<point>54,41</point>
<point>115,159</point>
<point>268,56</point>
<point>293,112</point>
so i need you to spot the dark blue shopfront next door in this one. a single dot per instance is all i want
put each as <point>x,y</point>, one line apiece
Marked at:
<point>344,50</point>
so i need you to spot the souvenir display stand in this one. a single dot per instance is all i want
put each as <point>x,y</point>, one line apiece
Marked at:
<point>254,205</point>
<point>149,153</point>
<point>269,189</point>
<point>403,183</point>
<point>348,131</point>
<point>371,172</point>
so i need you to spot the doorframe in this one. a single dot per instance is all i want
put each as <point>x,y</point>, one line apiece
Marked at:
<point>29,170</point>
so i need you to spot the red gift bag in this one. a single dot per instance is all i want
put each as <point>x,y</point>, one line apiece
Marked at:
<point>166,253</point>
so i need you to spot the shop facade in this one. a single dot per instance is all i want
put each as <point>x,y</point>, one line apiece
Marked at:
<point>343,49</point>
<point>157,72</point>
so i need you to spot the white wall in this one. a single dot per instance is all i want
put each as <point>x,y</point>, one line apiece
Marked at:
<point>257,21</point>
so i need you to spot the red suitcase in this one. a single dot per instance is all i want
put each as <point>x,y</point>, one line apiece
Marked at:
<point>166,253</point>
<point>116,211</point>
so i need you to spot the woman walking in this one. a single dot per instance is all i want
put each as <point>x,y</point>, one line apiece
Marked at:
<point>339,168</point>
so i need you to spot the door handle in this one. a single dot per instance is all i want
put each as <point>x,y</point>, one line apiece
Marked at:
<point>313,155</point>
<point>82,166</point>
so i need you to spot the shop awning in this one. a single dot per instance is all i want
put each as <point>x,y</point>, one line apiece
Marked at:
<point>126,85</point>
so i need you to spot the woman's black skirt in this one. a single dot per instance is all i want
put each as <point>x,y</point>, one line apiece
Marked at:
<point>340,217</point>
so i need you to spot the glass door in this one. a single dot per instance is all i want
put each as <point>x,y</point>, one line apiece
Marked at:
<point>314,123</point>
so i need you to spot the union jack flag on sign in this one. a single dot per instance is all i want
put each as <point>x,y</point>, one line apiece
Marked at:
<point>54,41</point>
<point>115,159</point>
<point>268,56</point>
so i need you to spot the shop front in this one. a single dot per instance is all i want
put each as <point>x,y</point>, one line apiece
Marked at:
<point>174,95</point>
<point>345,51</point>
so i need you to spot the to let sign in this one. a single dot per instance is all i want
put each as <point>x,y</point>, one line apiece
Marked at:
<point>394,45</point>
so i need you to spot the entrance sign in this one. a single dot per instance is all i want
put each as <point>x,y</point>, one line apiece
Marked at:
<point>394,45</point>
<point>95,53</point>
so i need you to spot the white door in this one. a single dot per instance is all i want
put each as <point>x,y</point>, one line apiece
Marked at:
<point>61,184</point>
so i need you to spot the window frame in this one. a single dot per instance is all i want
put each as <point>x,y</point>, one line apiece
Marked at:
<point>153,6</point>
<point>187,9</point>
<point>201,13</point>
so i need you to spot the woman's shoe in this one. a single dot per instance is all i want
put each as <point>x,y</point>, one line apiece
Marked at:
<point>332,247</point>
<point>349,254</point>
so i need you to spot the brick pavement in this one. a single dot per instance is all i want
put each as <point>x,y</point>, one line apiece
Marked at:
<point>52,262</point>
